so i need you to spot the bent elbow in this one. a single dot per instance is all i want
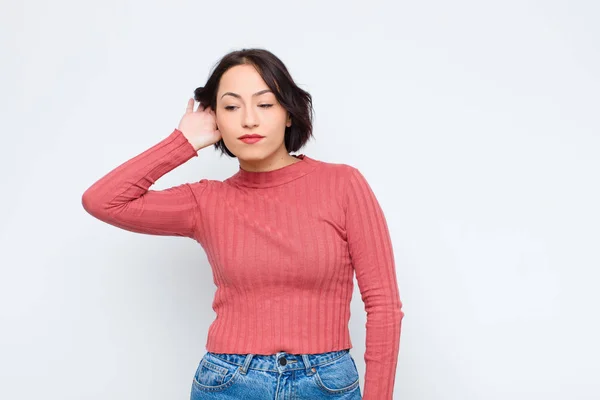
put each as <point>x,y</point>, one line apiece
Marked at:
<point>92,204</point>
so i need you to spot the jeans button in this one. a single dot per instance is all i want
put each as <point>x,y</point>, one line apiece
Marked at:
<point>282,361</point>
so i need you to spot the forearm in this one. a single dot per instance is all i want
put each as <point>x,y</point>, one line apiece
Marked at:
<point>122,196</point>
<point>382,348</point>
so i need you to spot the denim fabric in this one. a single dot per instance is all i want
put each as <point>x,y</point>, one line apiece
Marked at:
<point>280,376</point>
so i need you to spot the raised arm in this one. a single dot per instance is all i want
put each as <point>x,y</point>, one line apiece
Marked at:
<point>372,256</point>
<point>122,197</point>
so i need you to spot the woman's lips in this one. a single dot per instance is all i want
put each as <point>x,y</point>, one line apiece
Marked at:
<point>250,140</point>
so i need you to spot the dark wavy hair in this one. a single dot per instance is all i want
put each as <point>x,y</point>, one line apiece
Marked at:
<point>272,70</point>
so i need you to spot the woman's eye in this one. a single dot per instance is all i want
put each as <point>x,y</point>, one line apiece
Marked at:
<point>231,108</point>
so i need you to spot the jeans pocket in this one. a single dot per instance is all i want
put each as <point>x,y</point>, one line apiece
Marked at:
<point>214,374</point>
<point>338,376</point>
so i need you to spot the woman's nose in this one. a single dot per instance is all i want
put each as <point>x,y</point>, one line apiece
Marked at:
<point>250,118</point>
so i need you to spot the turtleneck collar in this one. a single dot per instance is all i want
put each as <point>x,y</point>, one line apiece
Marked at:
<point>263,179</point>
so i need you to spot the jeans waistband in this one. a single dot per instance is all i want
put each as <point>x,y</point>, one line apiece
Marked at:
<point>280,361</point>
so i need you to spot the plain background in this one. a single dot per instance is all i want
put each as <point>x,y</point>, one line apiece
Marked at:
<point>475,122</point>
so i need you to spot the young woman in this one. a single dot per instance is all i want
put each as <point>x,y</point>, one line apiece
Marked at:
<point>284,237</point>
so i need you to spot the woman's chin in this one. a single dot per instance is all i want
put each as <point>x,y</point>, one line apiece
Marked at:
<point>251,154</point>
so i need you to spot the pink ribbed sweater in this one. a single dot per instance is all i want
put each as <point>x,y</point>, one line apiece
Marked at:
<point>283,246</point>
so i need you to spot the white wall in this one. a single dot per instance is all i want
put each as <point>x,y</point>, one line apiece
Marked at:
<point>475,122</point>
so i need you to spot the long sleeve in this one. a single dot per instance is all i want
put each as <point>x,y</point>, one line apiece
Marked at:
<point>372,256</point>
<point>122,197</point>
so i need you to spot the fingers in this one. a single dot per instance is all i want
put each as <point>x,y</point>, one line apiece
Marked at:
<point>190,106</point>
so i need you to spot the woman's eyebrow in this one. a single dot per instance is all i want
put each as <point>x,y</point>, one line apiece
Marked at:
<point>255,94</point>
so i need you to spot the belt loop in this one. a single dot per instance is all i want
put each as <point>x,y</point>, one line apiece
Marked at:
<point>307,366</point>
<point>246,363</point>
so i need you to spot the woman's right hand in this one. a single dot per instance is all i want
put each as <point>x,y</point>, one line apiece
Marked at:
<point>200,126</point>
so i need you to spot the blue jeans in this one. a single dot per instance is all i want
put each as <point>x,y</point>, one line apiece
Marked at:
<point>331,375</point>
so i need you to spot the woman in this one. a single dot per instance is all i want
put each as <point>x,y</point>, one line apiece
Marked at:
<point>284,237</point>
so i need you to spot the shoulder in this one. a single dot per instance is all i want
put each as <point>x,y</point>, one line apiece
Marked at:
<point>206,185</point>
<point>351,181</point>
<point>336,169</point>
<point>347,177</point>
<point>348,180</point>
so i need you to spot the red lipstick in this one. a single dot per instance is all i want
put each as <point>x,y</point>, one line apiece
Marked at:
<point>249,139</point>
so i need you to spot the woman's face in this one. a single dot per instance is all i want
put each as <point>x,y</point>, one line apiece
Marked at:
<point>246,105</point>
